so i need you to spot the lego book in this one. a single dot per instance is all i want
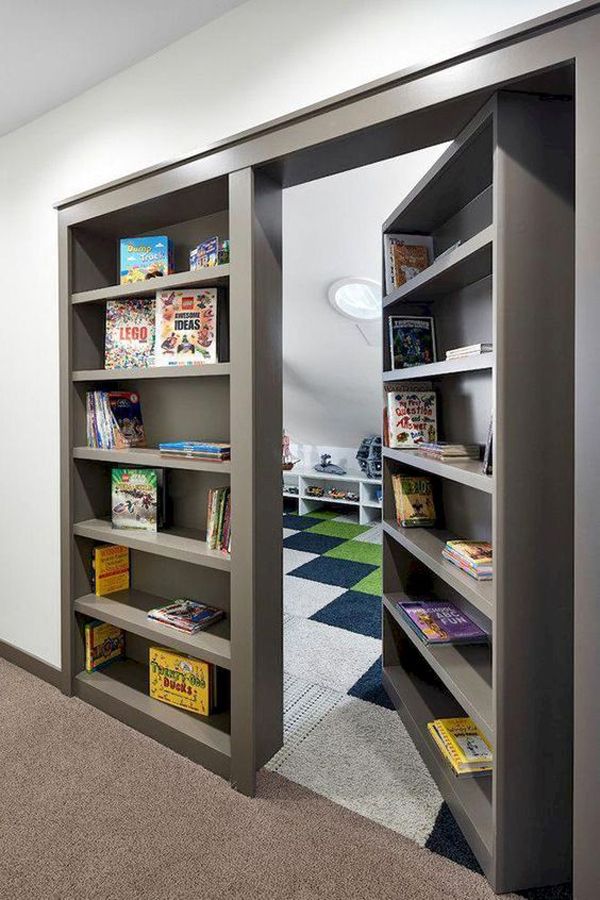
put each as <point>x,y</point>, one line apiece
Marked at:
<point>181,681</point>
<point>104,643</point>
<point>186,327</point>
<point>137,498</point>
<point>129,339</point>
<point>110,569</point>
<point>142,258</point>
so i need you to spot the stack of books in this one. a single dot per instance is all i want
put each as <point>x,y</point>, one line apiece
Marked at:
<point>218,524</point>
<point>462,745</point>
<point>441,622</point>
<point>473,557</point>
<point>186,615</point>
<point>445,451</point>
<point>197,450</point>
<point>470,350</point>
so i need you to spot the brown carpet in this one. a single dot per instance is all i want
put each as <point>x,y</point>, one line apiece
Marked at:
<point>91,809</point>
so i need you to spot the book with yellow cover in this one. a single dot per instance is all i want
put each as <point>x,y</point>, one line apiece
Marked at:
<point>103,644</point>
<point>414,500</point>
<point>462,744</point>
<point>181,680</point>
<point>110,569</point>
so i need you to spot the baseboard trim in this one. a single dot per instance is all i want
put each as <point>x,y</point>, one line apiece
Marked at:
<point>31,664</point>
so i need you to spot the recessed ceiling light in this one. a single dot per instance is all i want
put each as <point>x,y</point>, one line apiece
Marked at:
<point>356,298</point>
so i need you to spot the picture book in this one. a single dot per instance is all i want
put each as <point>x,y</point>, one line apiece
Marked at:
<point>142,258</point>
<point>137,500</point>
<point>181,681</point>
<point>462,744</point>
<point>412,341</point>
<point>103,644</point>
<point>187,615</point>
<point>405,256</point>
<point>126,409</point>
<point>441,622</point>
<point>476,552</point>
<point>186,327</point>
<point>110,569</point>
<point>129,341</point>
<point>413,496</point>
<point>411,418</point>
<point>213,252</point>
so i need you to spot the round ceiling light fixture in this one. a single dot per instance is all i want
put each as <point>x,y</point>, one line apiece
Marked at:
<point>356,298</point>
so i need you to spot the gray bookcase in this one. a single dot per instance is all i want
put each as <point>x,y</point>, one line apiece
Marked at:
<point>237,399</point>
<point>504,188</point>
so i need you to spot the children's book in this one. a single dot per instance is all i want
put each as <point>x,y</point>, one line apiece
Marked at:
<point>182,681</point>
<point>110,569</point>
<point>412,341</point>
<point>137,498</point>
<point>212,252</point>
<point>405,256</point>
<point>413,496</point>
<point>441,622</point>
<point>103,644</point>
<point>142,258</point>
<point>411,418</point>
<point>186,327</point>
<point>462,744</point>
<point>127,412</point>
<point>129,334</point>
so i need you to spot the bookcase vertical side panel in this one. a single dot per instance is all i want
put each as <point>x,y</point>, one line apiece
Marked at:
<point>256,424</point>
<point>533,210</point>
<point>66,461</point>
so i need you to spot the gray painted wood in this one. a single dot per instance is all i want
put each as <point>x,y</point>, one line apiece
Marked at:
<point>256,426</point>
<point>467,472</point>
<point>444,367</point>
<point>129,610</point>
<point>210,277</point>
<point>212,369</point>
<point>143,456</point>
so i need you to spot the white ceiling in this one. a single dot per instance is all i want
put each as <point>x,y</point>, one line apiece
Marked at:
<point>53,50</point>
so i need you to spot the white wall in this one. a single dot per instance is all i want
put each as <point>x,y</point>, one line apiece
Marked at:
<point>332,229</point>
<point>264,59</point>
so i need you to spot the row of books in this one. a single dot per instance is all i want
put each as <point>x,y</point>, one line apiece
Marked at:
<point>218,524</point>
<point>208,450</point>
<point>114,420</point>
<point>462,744</point>
<point>176,328</point>
<point>153,256</point>
<point>412,342</point>
<point>174,678</point>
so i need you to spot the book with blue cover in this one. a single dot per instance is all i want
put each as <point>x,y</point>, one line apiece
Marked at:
<point>412,341</point>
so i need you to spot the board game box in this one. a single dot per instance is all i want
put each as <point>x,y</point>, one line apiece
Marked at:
<point>186,327</point>
<point>129,339</point>
<point>182,681</point>
<point>142,258</point>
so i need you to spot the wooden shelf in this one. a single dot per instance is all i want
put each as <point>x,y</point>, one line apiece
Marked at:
<point>128,610</point>
<point>470,799</point>
<point>326,499</point>
<point>150,457</point>
<point>221,369</point>
<point>426,544</point>
<point>465,669</point>
<point>444,367</point>
<point>121,690</point>
<point>209,277</point>
<point>470,262</point>
<point>466,471</point>
<point>179,543</point>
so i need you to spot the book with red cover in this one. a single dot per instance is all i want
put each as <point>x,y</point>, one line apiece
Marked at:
<point>441,622</point>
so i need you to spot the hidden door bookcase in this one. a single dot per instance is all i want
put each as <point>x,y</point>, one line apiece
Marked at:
<point>238,399</point>
<point>504,189</point>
